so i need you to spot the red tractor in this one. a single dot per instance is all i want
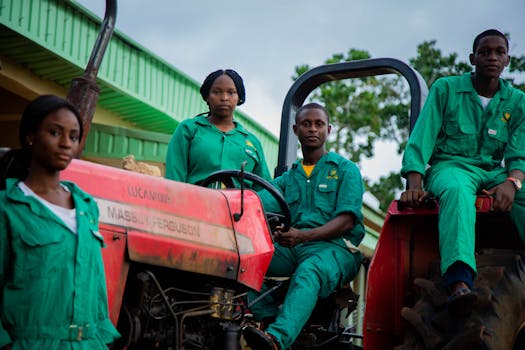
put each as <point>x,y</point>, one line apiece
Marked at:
<point>180,257</point>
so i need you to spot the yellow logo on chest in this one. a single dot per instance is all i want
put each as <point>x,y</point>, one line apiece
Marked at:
<point>333,174</point>
<point>506,117</point>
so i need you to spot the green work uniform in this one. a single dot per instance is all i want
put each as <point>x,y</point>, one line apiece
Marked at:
<point>198,148</point>
<point>52,279</point>
<point>316,268</point>
<point>464,144</point>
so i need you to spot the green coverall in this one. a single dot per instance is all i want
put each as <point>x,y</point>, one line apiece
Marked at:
<point>198,148</point>
<point>464,145</point>
<point>316,268</point>
<point>51,279</point>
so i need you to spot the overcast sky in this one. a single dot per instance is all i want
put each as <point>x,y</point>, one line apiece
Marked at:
<point>265,40</point>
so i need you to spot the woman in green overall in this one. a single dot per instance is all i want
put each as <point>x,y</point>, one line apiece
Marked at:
<point>214,140</point>
<point>52,285</point>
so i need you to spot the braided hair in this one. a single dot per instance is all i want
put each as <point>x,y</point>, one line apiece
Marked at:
<point>237,80</point>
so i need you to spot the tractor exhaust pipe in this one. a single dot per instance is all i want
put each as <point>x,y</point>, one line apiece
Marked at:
<point>83,92</point>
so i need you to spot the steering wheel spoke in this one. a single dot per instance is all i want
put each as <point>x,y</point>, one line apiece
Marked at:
<point>274,219</point>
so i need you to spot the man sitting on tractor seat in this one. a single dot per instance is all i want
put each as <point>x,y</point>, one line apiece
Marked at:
<point>468,125</point>
<point>324,192</point>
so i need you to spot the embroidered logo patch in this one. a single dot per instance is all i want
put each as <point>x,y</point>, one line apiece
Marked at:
<point>506,117</point>
<point>250,144</point>
<point>332,174</point>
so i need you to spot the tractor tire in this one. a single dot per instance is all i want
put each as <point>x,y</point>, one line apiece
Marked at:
<point>496,322</point>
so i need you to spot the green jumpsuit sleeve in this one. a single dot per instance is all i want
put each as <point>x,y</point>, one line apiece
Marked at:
<point>178,153</point>
<point>515,150</point>
<point>351,190</point>
<point>422,141</point>
<point>261,168</point>
<point>4,259</point>
<point>269,203</point>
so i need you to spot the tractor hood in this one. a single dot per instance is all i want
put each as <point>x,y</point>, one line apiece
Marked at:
<point>178,225</point>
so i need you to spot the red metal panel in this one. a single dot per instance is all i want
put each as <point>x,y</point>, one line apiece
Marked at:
<point>253,238</point>
<point>116,268</point>
<point>139,190</point>
<point>407,244</point>
<point>384,274</point>
<point>165,251</point>
<point>179,225</point>
<point>170,223</point>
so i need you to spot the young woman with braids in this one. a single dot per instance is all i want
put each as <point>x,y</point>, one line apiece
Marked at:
<point>214,140</point>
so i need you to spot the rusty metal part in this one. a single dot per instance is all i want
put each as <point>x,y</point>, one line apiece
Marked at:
<point>83,92</point>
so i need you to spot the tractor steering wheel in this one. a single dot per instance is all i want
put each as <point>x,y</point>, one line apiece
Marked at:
<point>274,219</point>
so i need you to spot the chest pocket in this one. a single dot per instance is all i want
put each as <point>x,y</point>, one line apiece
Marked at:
<point>42,250</point>
<point>496,137</point>
<point>99,239</point>
<point>461,137</point>
<point>199,152</point>
<point>325,196</point>
<point>292,195</point>
<point>251,157</point>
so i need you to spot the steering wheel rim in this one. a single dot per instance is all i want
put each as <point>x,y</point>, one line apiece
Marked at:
<point>226,176</point>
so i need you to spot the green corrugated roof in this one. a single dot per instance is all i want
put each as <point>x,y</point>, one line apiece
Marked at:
<point>54,39</point>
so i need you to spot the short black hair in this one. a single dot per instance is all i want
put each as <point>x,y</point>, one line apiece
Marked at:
<point>312,105</point>
<point>38,109</point>
<point>489,32</point>
<point>237,80</point>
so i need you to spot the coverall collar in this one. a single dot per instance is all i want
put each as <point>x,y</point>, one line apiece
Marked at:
<point>465,85</point>
<point>329,157</point>
<point>203,120</point>
<point>14,194</point>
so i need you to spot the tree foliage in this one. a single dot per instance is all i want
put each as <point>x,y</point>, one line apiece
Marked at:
<point>366,110</point>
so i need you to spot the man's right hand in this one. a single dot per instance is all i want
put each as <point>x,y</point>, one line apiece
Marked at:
<point>414,196</point>
<point>290,238</point>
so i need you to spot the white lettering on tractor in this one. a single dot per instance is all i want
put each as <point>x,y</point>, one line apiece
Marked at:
<point>164,224</point>
<point>144,193</point>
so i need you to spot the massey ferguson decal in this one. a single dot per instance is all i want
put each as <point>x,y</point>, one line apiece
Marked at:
<point>164,224</point>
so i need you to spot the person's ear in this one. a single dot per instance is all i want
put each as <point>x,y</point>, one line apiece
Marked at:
<point>294,127</point>
<point>471,59</point>
<point>329,128</point>
<point>508,60</point>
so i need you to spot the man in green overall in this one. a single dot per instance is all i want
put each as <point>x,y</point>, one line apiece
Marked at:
<point>324,192</point>
<point>471,132</point>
